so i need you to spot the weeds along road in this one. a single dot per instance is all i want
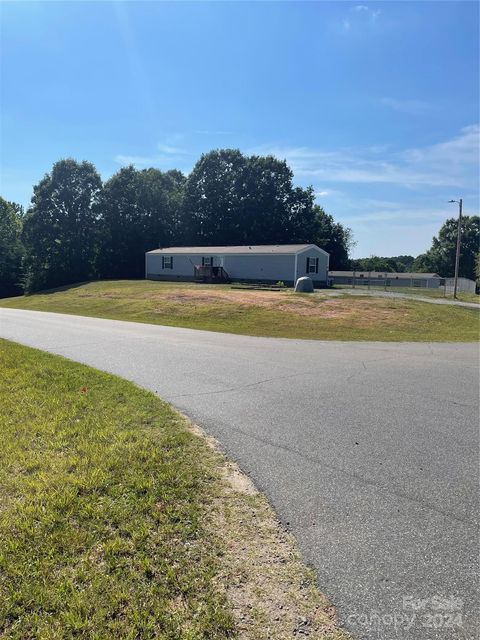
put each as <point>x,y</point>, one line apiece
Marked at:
<point>368,451</point>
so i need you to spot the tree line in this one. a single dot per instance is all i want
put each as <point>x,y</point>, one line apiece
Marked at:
<point>78,228</point>
<point>440,258</point>
<point>396,264</point>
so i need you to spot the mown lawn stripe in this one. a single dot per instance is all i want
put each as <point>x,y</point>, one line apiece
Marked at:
<point>325,315</point>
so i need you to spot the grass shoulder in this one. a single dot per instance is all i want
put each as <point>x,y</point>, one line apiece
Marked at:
<point>325,315</point>
<point>119,521</point>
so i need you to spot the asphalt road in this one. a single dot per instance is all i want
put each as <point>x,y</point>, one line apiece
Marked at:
<point>368,451</point>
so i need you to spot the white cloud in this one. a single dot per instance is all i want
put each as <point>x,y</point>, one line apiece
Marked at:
<point>170,156</point>
<point>169,150</point>
<point>208,132</point>
<point>135,160</point>
<point>458,152</point>
<point>360,16</point>
<point>453,162</point>
<point>397,212</point>
<point>163,161</point>
<point>411,107</point>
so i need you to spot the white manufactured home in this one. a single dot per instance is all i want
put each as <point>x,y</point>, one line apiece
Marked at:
<point>255,263</point>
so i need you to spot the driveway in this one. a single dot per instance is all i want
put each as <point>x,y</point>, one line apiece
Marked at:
<point>376,293</point>
<point>368,451</point>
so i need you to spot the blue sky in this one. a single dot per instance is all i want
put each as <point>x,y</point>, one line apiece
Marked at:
<point>375,104</point>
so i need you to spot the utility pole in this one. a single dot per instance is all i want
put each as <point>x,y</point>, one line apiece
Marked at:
<point>459,241</point>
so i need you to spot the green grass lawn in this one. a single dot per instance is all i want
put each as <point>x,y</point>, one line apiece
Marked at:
<point>118,522</point>
<point>261,313</point>
<point>104,492</point>
<point>420,291</point>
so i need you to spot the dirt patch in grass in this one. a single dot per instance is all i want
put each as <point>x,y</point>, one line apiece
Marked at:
<point>201,296</point>
<point>364,311</point>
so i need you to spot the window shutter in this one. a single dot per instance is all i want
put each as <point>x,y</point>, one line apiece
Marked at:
<point>203,261</point>
<point>316,265</point>
<point>308,264</point>
<point>171,262</point>
<point>163,262</point>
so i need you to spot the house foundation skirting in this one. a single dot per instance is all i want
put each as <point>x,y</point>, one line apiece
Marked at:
<point>178,278</point>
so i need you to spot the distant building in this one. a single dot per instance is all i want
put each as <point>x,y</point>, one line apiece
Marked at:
<point>464,285</point>
<point>385,278</point>
<point>256,263</point>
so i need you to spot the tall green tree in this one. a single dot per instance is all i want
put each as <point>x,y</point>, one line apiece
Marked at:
<point>440,258</point>
<point>271,210</point>
<point>11,248</point>
<point>377,263</point>
<point>59,231</point>
<point>403,262</point>
<point>19,209</point>
<point>234,199</point>
<point>140,210</point>
<point>211,202</point>
<point>333,237</point>
<point>77,229</point>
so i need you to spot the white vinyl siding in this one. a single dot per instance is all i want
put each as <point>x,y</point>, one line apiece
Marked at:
<point>255,267</point>
<point>266,267</point>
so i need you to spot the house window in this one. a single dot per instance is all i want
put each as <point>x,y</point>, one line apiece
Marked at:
<point>167,262</point>
<point>207,261</point>
<point>312,265</point>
